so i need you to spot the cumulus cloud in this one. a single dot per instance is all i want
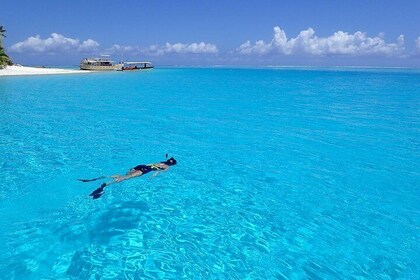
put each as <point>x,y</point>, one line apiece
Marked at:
<point>56,43</point>
<point>118,48</point>
<point>189,48</point>
<point>340,43</point>
<point>178,48</point>
<point>124,50</point>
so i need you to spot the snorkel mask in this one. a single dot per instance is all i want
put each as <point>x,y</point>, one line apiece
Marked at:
<point>171,161</point>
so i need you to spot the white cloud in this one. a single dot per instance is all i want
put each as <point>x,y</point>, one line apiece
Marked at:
<point>178,48</point>
<point>189,48</point>
<point>118,48</point>
<point>124,51</point>
<point>88,46</point>
<point>340,43</point>
<point>56,43</point>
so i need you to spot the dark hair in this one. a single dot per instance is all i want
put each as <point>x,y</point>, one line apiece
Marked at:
<point>170,161</point>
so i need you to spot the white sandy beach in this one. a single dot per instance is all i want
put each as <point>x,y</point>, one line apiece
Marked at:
<point>16,70</point>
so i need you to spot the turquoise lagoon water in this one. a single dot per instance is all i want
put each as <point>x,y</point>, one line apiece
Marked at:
<point>282,174</point>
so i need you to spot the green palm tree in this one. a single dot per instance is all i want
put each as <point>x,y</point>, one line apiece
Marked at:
<point>2,31</point>
<point>4,58</point>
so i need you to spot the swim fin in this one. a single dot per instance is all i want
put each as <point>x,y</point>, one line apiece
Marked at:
<point>91,180</point>
<point>98,192</point>
<point>96,196</point>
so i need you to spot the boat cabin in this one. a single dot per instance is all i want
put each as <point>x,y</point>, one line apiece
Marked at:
<point>137,65</point>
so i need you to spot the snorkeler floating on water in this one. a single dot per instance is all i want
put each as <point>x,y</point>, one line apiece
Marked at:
<point>137,171</point>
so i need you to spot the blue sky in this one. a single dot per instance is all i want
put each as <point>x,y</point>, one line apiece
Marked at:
<point>196,32</point>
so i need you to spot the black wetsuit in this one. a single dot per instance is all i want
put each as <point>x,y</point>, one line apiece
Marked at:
<point>147,168</point>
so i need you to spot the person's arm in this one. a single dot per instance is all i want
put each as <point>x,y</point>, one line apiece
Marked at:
<point>163,170</point>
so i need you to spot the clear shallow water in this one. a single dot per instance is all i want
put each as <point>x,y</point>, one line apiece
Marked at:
<point>282,174</point>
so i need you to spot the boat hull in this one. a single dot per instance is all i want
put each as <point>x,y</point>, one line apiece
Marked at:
<point>130,68</point>
<point>101,67</point>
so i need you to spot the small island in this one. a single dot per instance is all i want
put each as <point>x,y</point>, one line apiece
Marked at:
<point>8,68</point>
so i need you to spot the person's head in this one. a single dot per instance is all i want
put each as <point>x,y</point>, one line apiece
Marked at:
<point>170,161</point>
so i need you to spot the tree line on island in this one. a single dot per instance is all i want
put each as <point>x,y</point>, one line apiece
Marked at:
<point>4,58</point>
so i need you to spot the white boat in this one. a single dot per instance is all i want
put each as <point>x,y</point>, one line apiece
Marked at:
<point>137,65</point>
<point>100,64</point>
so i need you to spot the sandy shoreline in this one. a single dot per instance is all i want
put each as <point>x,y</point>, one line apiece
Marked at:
<point>24,70</point>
